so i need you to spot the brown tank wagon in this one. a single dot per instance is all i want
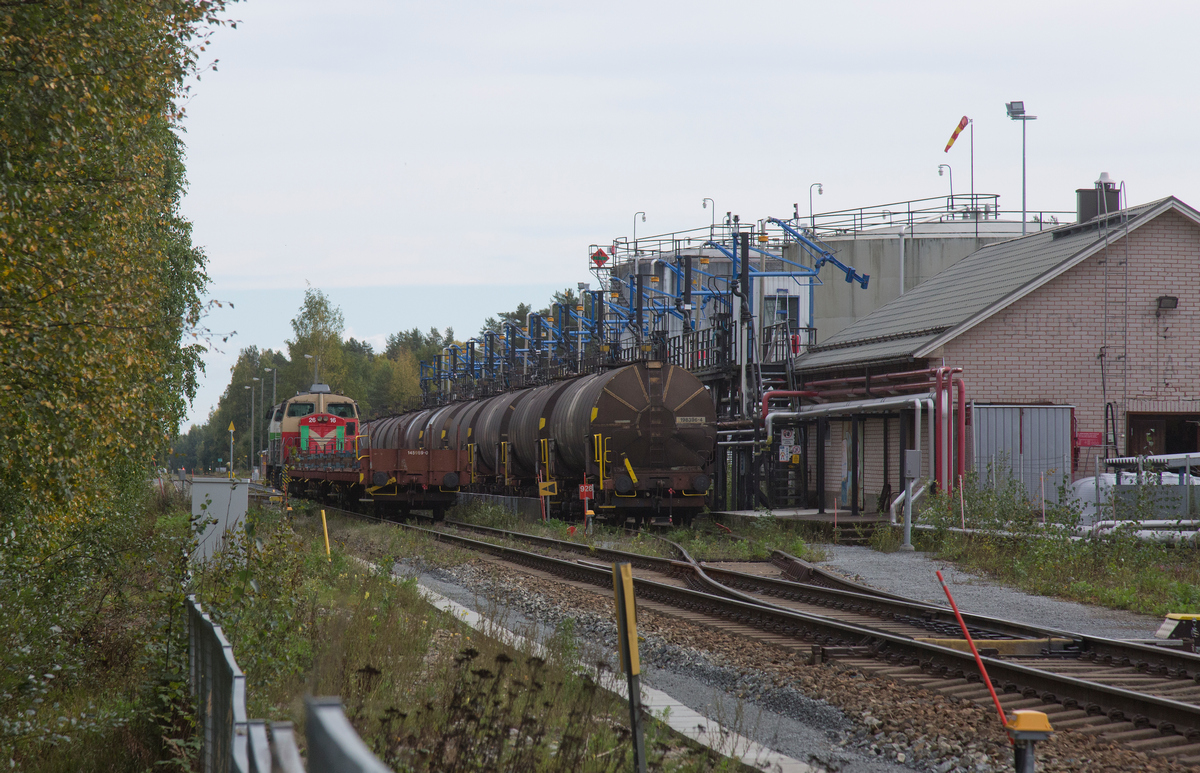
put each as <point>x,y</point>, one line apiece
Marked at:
<point>643,436</point>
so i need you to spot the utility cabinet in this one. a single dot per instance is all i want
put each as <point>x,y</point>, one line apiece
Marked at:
<point>1032,443</point>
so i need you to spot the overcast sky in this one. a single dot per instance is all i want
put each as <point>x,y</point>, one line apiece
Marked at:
<point>435,163</point>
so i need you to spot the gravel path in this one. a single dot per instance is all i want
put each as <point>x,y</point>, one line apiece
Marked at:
<point>912,574</point>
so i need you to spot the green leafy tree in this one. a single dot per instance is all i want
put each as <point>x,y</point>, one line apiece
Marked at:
<point>317,332</point>
<point>517,316</point>
<point>423,346</point>
<point>99,312</point>
<point>566,297</point>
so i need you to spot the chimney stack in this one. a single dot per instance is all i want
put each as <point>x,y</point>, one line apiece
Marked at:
<point>1103,199</point>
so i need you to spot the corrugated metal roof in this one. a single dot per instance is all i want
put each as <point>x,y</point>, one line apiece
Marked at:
<point>984,281</point>
<point>887,349</point>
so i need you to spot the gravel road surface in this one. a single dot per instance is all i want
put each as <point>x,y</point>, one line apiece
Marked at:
<point>913,574</point>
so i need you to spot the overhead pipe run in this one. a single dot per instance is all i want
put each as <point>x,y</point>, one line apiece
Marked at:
<point>784,393</point>
<point>943,464</point>
<point>848,406</point>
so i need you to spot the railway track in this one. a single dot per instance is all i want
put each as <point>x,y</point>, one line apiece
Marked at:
<point>894,614</point>
<point>1142,696</point>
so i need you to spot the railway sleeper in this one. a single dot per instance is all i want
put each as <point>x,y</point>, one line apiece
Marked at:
<point>1181,751</point>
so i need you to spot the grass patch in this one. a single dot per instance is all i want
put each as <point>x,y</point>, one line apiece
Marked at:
<point>95,653</point>
<point>1116,571</point>
<point>886,538</point>
<point>423,690</point>
<point>705,541</point>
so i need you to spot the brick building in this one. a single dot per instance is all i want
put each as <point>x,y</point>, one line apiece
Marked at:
<point>1102,316</point>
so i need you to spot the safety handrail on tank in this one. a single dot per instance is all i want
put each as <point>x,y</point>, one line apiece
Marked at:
<point>638,315</point>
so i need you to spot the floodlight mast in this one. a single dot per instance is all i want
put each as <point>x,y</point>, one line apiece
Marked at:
<point>1016,111</point>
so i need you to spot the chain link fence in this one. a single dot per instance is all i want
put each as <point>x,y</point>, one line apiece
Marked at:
<point>231,743</point>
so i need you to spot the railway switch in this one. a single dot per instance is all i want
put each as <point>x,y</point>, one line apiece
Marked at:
<point>1026,728</point>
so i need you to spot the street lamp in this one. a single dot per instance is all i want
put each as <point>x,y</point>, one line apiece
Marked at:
<point>951,171</point>
<point>704,204</point>
<point>635,214</point>
<point>261,413</point>
<point>310,357</point>
<point>1016,111</point>
<point>251,449</point>
<point>274,382</point>
<point>812,221</point>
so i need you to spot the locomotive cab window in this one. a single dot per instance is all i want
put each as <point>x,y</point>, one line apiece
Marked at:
<point>341,410</point>
<point>300,409</point>
<point>279,414</point>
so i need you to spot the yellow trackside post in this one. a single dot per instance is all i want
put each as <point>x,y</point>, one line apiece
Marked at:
<point>325,527</point>
<point>630,664</point>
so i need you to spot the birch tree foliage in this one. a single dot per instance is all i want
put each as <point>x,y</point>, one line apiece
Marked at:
<point>99,280</point>
<point>99,299</point>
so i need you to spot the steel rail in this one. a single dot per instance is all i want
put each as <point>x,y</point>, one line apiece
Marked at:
<point>1168,715</point>
<point>862,599</point>
<point>725,582</point>
<point>839,639</point>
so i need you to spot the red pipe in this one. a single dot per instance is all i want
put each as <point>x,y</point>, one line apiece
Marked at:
<point>783,393</point>
<point>945,378</point>
<point>882,389</point>
<point>961,391</point>
<point>889,376</point>
<point>935,443</point>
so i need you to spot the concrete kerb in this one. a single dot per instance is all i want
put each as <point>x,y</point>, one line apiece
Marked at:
<point>666,709</point>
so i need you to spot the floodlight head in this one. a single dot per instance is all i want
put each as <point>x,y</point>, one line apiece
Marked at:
<point>1015,109</point>
<point>308,356</point>
<point>941,172</point>
<point>820,189</point>
<point>704,204</point>
<point>1167,302</point>
<point>643,217</point>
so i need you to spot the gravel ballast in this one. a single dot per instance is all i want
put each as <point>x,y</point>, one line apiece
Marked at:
<point>833,718</point>
<point>766,710</point>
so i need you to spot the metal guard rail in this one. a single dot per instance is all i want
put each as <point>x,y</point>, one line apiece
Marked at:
<point>231,743</point>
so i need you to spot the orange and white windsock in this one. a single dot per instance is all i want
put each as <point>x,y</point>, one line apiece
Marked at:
<point>958,130</point>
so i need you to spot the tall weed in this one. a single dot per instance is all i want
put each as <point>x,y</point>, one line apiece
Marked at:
<point>1013,544</point>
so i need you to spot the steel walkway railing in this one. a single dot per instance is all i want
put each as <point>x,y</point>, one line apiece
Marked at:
<point>231,743</point>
